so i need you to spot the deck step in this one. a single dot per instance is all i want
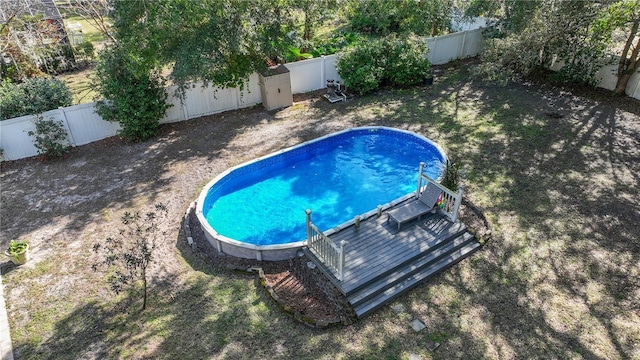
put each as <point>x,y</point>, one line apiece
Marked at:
<point>407,269</point>
<point>387,289</point>
<point>352,286</point>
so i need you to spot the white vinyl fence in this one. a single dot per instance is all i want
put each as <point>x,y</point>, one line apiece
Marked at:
<point>608,77</point>
<point>84,125</point>
<point>460,45</point>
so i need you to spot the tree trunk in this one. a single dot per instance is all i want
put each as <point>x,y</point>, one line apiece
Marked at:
<point>621,84</point>
<point>626,67</point>
<point>307,27</point>
<point>144,290</point>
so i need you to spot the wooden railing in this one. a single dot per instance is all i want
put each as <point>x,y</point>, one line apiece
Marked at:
<point>451,200</point>
<point>331,254</point>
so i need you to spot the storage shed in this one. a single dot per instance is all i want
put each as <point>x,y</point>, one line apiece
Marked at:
<point>275,87</point>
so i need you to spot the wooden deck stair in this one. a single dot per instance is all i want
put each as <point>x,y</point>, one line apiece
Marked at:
<point>384,262</point>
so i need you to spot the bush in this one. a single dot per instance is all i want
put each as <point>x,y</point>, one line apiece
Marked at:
<point>451,175</point>
<point>362,67</point>
<point>33,96</point>
<point>406,61</point>
<point>391,60</point>
<point>51,138</point>
<point>135,95</point>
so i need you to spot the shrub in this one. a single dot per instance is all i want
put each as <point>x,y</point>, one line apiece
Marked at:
<point>335,43</point>
<point>406,62</point>
<point>398,61</point>
<point>362,67</point>
<point>51,138</point>
<point>128,255</point>
<point>135,94</point>
<point>451,175</point>
<point>33,96</point>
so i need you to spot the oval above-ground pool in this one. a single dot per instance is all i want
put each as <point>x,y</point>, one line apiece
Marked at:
<point>257,210</point>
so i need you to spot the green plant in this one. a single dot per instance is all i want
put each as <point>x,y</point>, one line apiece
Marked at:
<point>128,255</point>
<point>33,96</point>
<point>85,50</point>
<point>398,61</point>
<point>451,175</point>
<point>135,95</point>
<point>406,63</point>
<point>51,138</point>
<point>335,43</point>
<point>17,247</point>
<point>295,54</point>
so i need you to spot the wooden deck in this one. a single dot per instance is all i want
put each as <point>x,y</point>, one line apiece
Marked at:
<point>383,262</point>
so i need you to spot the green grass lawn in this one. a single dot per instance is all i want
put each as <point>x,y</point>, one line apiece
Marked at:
<point>80,84</point>
<point>558,280</point>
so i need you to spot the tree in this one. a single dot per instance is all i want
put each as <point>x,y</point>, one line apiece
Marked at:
<point>582,34</point>
<point>314,12</point>
<point>135,94</point>
<point>392,60</point>
<point>128,255</point>
<point>426,18</point>
<point>531,34</point>
<point>33,43</point>
<point>216,41</point>
<point>32,96</point>
<point>624,16</point>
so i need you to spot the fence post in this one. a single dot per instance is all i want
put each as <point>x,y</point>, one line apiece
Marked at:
<point>308,224</point>
<point>65,122</point>
<point>420,179</point>
<point>456,206</point>
<point>343,243</point>
<point>323,74</point>
<point>461,54</point>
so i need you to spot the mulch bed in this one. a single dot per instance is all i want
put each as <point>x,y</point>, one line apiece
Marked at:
<point>303,292</point>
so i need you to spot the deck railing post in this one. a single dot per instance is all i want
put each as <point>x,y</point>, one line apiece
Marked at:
<point>456,206</point>
<point>308,225</point>
<point>343,243</point>
<point>422,164</point>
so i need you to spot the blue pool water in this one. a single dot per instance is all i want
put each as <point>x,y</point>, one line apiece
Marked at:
<point>336,177</point>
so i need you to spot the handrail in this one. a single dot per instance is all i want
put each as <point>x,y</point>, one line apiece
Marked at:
<point>331,254</point>
<point>451,200</point>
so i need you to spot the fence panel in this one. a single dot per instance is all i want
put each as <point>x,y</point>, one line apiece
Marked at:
<point>250,95</point>
<point>443,49</point>
<point>473,43</point>
<point>86,126</point>
<point>14,138</point>
<point>199,101</point>
<point>633,88</point>
<point>306,75</point>
<point>330,70</point>
<point>606,76</point>
<point>177,111</point>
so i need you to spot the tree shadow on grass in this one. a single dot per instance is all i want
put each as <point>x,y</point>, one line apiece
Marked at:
<point>566,173</point>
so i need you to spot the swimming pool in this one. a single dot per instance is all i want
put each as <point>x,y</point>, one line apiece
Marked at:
<point>260,206</point>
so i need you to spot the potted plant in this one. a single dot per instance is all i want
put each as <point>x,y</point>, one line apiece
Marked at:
<point>428,79</point>
<point>18,252</point>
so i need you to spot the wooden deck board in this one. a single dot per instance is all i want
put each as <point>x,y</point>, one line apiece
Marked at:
<point>377,246</point>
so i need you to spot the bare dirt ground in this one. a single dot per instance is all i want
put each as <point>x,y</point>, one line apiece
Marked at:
<point>555,172</point>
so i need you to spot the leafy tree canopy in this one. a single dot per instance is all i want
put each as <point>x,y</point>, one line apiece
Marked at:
<point>427,18</point>
<point>218,41</point>
<point>531,34</point>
